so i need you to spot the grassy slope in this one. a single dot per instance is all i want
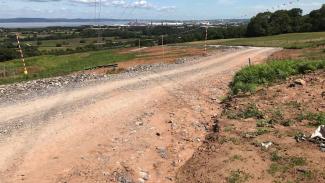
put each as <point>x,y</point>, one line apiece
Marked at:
<point>293,40</point>
<point>49,66</point>
<point>250,78</point>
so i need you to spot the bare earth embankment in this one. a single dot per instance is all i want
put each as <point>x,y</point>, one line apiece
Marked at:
<point>134,128</point>
<point>265,137</point>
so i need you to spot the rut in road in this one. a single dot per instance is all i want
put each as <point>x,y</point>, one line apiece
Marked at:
<point>136,129</point>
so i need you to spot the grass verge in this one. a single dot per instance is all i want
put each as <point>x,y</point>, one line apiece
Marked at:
<point>51,66</point>
<point>250,78</point>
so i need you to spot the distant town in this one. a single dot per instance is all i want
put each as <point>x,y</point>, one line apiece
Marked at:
<point>45,22</point>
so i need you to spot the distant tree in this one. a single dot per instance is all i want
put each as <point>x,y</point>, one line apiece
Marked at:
<point>317,19</point>
<point>259,25</point>
<point>297,20</point>
<point>7,54</point>
<point>286,21</point>
<point>280,22</point>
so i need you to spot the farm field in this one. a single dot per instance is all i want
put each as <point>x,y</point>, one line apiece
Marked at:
<point>64,44</point>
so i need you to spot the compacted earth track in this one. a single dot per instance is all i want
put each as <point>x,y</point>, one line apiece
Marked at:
<point>140,128</point>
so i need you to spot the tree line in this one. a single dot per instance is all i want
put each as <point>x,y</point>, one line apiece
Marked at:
<point>286,21</point>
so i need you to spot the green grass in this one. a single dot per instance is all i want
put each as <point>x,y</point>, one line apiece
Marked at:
<point>249,111</point>
<point>292,40</point>
<point>250,78</point>
<point>238,177</point>
<point>284,164</point>
<point>316,118</point>
<point>48,45</point>
<point>50,66</point>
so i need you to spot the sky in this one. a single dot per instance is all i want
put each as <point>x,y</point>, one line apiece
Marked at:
<point>148,9</point>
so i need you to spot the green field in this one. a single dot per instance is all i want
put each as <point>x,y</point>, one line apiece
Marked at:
<point>293,40</point>
<point>71,43</point>
<point>50,66</point>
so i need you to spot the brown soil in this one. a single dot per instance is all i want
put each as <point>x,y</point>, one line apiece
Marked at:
<point>235,153</point>
<point>155,54</point>
<point>287,54</point>
<point>150,55</point>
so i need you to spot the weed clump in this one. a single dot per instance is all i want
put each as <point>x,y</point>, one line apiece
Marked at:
<point>250,111</point>
<point>316,118</point>
<point>238,177</point>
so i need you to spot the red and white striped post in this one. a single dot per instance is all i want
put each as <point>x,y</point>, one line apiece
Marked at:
<point>21,55</point>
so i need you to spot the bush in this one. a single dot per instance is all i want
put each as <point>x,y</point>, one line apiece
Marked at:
<point>249,78</point>
<point>58,45</point>
<point>8,54</point>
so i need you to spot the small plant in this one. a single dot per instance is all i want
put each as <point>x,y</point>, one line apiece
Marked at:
<point>262,131</point>
<point>235,141</point>
<point>297,161</point>
<point>293,104</point>
<point>274,168</point>
<point>237,177</point>
<point>236,157</point>
<point>284,164</point>
<point>258,132</point>
<point>264,123</point>
<point>316,118</point>
<point>287,122</point>
<point>229,128</point>
<point>275,156</point>
<point>231,114</point>
<point>251,111</point>
<point>306,175</point>
<point>277,114</point>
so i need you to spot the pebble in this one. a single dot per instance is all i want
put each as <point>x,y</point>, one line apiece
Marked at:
<point>162,152</point>
<point>144,175</point>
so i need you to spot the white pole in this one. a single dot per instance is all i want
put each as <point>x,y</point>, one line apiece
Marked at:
<point>21,55</point>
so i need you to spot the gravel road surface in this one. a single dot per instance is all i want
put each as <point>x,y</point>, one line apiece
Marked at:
<point>139,126</point>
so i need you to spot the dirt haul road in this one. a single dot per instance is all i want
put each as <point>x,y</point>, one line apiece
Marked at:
<point>138,129</point>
